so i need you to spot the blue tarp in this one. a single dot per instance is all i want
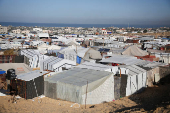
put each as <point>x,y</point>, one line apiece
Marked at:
<point>2,71</point>
<point>27,43</point>
<point>165,38</point>
<point>104,50</point>
<point>59,55</point>
<point>78,60</point>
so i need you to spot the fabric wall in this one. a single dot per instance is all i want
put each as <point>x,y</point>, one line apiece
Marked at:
<point>117,84</point>
<point>105,92</point>
<point>6,58</point>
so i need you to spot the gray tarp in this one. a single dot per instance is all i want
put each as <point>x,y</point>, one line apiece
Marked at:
<point>71,85</point>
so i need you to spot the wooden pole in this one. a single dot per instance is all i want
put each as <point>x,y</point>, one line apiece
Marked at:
<point>86,94</point>
<point>76,48</point>
<point>103,42</point>
<point>120,72</point>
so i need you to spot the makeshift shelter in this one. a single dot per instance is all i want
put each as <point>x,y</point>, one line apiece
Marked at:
<point>121,59</point>
<point>101,67</point>
<point>113,69</point>
<point>53,49</point>
<point>155,71</point>
<point>29,85</point>
<point>73,43</point>
<point>134,51</point>
<point>43,35</point>
<point>32,57</point>
<point>132,82</point>
<point>79,54</point>
<point>43,48</point>
<point>56,64</point>
<point>6,58</point>
<point>71,86</point>
<point>92,54</point>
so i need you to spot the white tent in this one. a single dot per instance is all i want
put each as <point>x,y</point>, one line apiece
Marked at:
<point>43,48</point>
<point>121,59</point>
<point>54,47</point>
<point>134,51</point>
<point>56,64</point>
<point>136,79</point>
<point>101,67</point>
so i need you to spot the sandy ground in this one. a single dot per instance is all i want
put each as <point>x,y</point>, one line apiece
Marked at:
<point>153,99</point>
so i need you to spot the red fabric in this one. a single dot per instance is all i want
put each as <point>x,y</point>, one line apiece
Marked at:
<point>115,64</point>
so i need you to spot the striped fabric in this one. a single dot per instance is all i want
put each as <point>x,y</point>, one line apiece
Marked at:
<point>6,58</point>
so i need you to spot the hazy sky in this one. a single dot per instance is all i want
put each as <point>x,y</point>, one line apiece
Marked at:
<point>86,11</point>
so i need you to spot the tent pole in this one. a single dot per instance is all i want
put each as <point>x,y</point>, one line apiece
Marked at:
<point>76,49</point>
<point>120,72</point>
<point>86,95</point>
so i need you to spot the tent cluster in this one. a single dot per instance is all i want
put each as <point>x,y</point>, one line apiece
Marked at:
<point>90,75</point>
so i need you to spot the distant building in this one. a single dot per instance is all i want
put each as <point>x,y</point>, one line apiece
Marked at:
<point>47,31</point>
<point>37,29</point>
<point>18,31</point>
<point>89,32</point>
<point>25,31</point>
<point>104,32</point>
<point>43,35</point>
<point>3,30</point>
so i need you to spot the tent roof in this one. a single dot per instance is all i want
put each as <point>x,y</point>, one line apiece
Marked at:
<point>94,54</point>
<point>53,47</point>
<point>94,66</point>
<point>104,50</point>
<point>78,76</point>
<point>44,45</point>
<point>19,67</point>
<point>150,64</point>
<point>30,75</point>
<point>43,34</point>
<point>134,51</point>
<point>121,59</point>
<point>133,69</point>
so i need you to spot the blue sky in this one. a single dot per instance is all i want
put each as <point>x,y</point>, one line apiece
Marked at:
<point>86,11</point>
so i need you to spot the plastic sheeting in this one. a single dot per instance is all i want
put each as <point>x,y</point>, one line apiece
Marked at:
<point>136,79</point>
<point>78,60</point>
<point>122,59</point>
<point>71,86</point>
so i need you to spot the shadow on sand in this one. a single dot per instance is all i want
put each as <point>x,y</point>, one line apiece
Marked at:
<point>151,98</point>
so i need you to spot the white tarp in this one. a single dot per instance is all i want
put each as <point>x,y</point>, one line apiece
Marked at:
<point>121,59</point>
<point>136,79</point>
